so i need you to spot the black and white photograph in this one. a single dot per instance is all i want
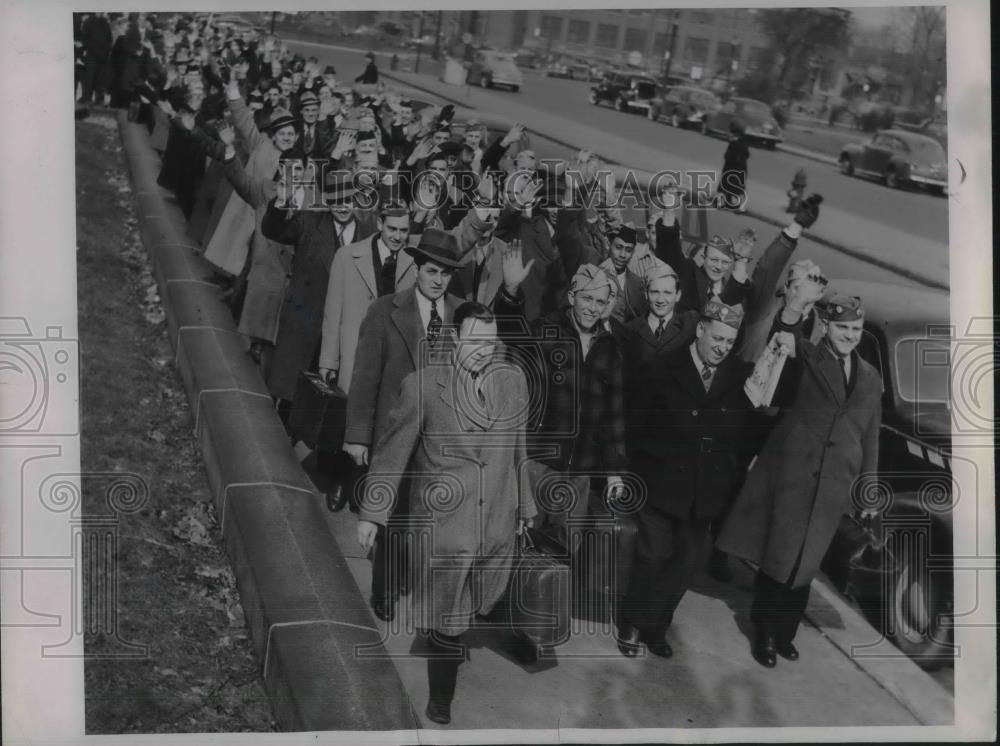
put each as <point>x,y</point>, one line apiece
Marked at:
<point>472,375</point>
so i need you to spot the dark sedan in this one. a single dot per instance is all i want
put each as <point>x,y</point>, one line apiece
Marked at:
<point>756,117</point>
<point>899,158</point>
<point>684,106</point>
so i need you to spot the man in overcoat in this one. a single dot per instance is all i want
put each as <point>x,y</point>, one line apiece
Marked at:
<point>457,429</point>
<point>800,486</point>
<point>689,446</point>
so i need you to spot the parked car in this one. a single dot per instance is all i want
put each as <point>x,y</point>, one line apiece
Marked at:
<point>580,71</point>
<point>900,159</point>
<point>906,589</point>
<point>756,117</point>
<point>684,106</point>
<point>558,70</point>
<point>490,68</point>
<point>527,60</point>
<point>626,91</point>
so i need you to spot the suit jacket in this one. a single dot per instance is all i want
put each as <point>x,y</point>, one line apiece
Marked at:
<point>691,446</point>
<point>694,283</point>
<point>439,434</point>
<point>801,485</point>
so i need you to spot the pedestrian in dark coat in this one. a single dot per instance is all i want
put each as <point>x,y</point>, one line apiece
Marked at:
<point>97,41</point>
<point>733,180</point>
<point>800,486</point>
<point>370,74</point>
<point>690,448</point>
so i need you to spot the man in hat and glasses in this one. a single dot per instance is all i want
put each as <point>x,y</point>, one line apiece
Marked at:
<point>397,330</point>
<point>800,486</point>
<point>688,443</point>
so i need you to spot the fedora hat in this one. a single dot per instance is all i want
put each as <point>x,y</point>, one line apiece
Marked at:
<point>438,246</point>
<point>337,185</point>
<point>282,119</point>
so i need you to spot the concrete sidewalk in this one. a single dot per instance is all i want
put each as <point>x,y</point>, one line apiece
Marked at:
<point>712,681</point>
<point>909,255</point>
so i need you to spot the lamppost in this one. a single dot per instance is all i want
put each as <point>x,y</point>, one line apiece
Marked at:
<point>670,49</point>
<point>420,42</point>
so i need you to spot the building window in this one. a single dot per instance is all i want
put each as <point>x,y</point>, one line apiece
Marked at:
<point>757,58</point>
<point>579,31</point>
<point>607,36</point>
<point>635,39</point>
<point>661,43</point>
<point>703,17</point>
<point>551,27</point>
<point>725,53</point>
<point>696,50</point>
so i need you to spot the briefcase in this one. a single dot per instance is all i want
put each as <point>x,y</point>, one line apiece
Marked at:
<point>319,413</point>
<point>536,606</point>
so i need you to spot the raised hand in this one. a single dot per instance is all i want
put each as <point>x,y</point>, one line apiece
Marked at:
<point>187,121</point>
<point>515,134</point>
<point>526,191</point>
<point>227,134</point>
<point>808,211</point>
<point>514,269</point>
<point>744,244</point>
<point>345,144</point>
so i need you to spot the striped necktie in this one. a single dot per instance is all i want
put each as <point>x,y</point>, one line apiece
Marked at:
<point>434,326</point>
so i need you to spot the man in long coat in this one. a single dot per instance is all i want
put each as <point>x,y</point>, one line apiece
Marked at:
<point>689,444</point>
<point>800,486</point>
<point>458,430</point>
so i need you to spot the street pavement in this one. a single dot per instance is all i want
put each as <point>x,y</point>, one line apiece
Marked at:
<point>905,232</point>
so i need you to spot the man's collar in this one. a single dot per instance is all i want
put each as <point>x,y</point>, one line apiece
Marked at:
<point>699,364</point>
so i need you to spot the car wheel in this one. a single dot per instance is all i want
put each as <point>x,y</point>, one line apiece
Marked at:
<point>846,166</point>
<point>919,613</point>
<point>620,105</point>
<point>593,98</point>
<point>891,180</point>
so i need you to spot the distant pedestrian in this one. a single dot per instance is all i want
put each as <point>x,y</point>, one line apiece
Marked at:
<point>370,74</point>
<point>733,182</point>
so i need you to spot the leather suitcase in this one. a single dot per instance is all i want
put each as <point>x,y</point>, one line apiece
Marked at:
<point>537,604</point>
<point>602,563</point>
<point>318,415</point>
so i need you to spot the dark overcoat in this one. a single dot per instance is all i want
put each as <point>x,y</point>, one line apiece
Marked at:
<point>801,484</point>
<point>690,446</point>
<point>300,328</point>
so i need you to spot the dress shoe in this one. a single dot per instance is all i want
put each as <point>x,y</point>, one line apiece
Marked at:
<point>765,651</point>
<point>718,567</point>
<point>336,499</point>
<point>438,712</point>
<point>787,651</point>
<point>628,641</point>
<point>659,646</point>
<point>384,609</point>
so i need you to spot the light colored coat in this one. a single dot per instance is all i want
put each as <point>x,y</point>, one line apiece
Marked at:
<point>230,242</point>
<point>463,459</point>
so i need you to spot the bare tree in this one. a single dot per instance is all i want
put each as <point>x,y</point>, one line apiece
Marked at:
<point>796,34</point>
<point>922,31</point>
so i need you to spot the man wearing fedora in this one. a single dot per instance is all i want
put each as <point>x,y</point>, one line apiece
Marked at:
<point>688,444</point>
<point>399,330</point>
<point>826,436</point>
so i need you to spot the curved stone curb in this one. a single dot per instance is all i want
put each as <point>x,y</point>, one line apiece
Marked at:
<point>308,621</point>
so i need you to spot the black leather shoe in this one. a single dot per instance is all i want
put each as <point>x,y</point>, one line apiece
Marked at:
<point>787,651</point>
<point>765,651</point>
<point>384,608</point>
<point>438,712</point>
<point>337,499</point>
<point>659,646</point>
<point>628,640</point>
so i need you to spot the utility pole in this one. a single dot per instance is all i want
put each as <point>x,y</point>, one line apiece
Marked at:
<point>670,50</point>
<point>420,42</point>
<point>274,14</point>
<point>437,36</point>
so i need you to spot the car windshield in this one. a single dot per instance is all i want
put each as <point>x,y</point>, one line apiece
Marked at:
<point>504,59</point>
<point>922,370</point>
<point>928,151</point>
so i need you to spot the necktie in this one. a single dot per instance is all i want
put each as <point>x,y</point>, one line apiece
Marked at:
<point>434,326</point>
<point>309,139</point>
<point>478,386</point>
<point>706,375</point>
<point>389,273</point>
<point>477,277</point>
<point>843,369</point>
<point>340,233</point>
<point>659,330</point>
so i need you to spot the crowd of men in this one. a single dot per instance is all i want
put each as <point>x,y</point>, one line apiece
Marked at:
<point>598,354</point>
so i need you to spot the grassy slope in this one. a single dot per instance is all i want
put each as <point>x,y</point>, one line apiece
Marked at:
<point>176,591</point>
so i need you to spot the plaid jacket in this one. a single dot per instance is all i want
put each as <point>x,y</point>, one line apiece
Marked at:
<point>578,421</point>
